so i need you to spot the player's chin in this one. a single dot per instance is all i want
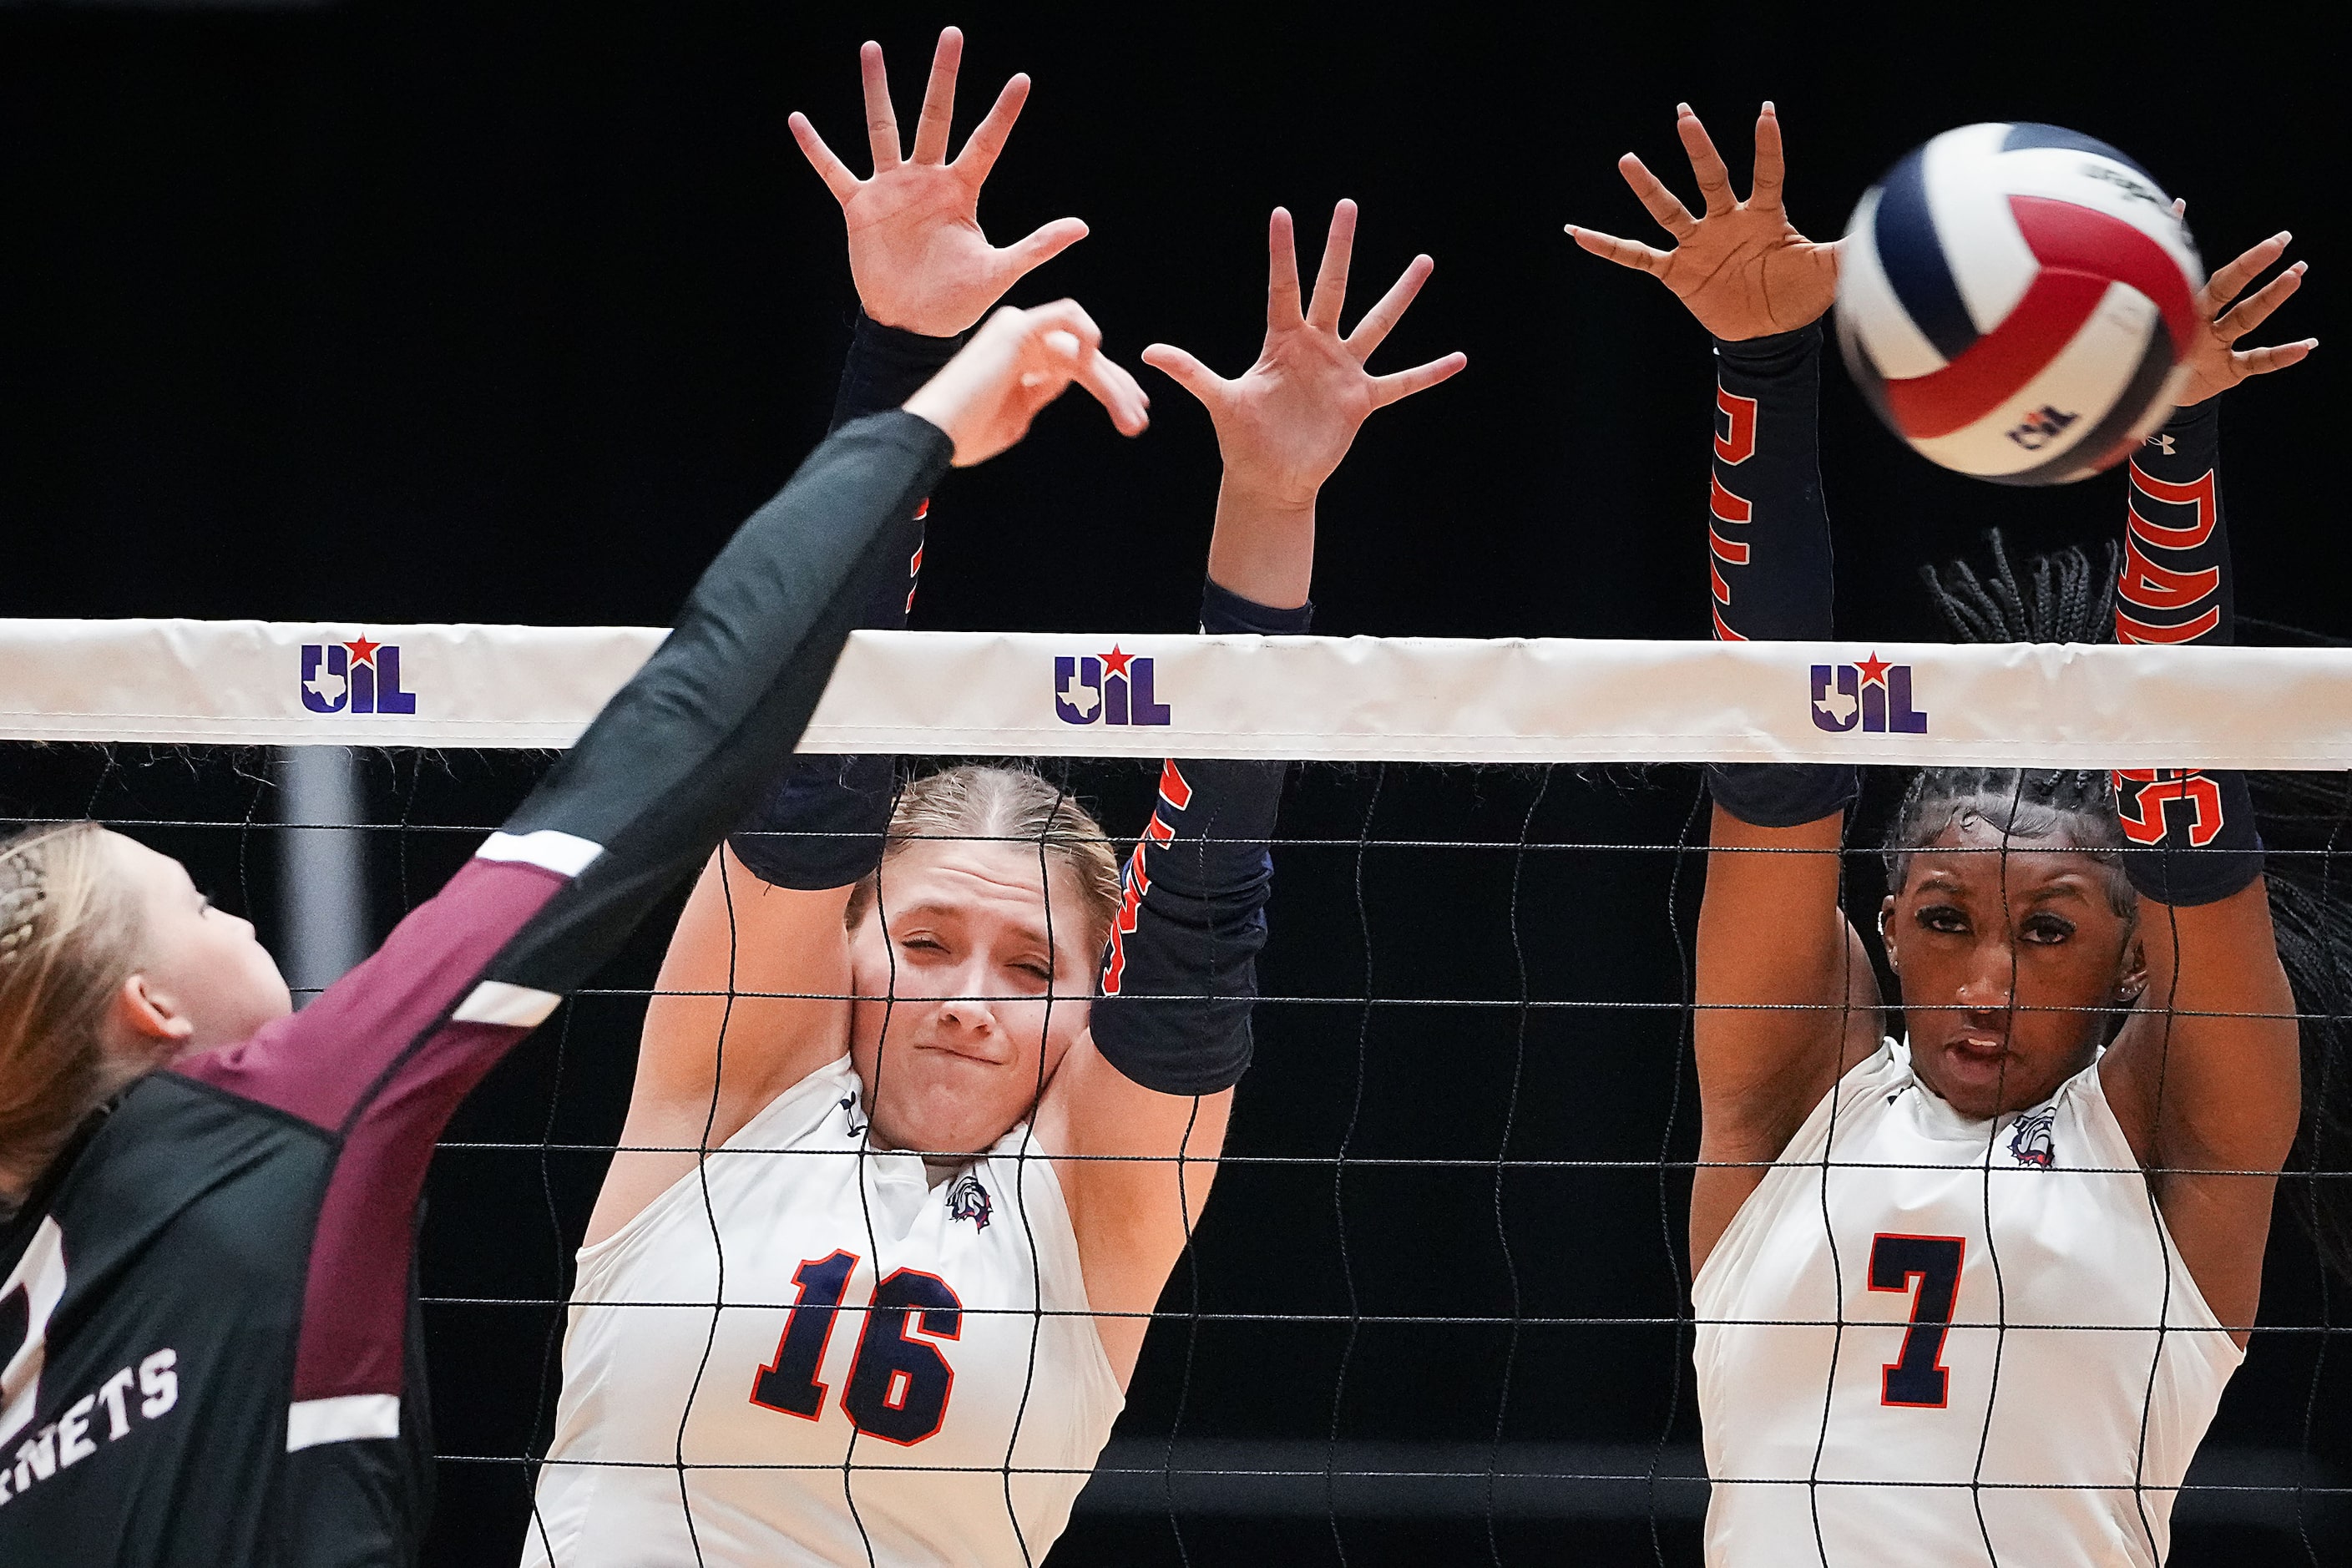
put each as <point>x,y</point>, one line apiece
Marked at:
<point>949,1102</point>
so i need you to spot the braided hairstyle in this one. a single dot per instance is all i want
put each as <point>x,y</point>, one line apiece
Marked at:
<point>2307,819</point>
<point>68,926</point>
<point>2063,597</point>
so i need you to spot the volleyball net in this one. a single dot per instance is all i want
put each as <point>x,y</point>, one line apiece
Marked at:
<point>1439,1305</point>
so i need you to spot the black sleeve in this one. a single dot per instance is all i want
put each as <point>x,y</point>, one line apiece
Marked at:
<point>886,366</point>
<point>819,820</point>
<point>2176,588</point>
<point>676,757</point>
<point>1180,971</point>
<point>1769,562</point>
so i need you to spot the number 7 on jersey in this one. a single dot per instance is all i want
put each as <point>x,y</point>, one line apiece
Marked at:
<point>1931,1265</point>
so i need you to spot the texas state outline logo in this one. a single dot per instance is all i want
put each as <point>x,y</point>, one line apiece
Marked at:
<point>1873,696</point>
<point>356,677</point>
<point>1112,688</point>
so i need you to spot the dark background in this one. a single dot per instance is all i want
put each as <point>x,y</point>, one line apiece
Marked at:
<point>509,312</point>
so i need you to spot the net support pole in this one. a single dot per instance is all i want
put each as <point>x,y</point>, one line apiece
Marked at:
<point>322,868</point>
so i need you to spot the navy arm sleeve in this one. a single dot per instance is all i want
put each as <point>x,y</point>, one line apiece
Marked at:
<point>1768,563</point>
<point>820,820</point>
<point>1180,971</point>
<point>2176,588</point>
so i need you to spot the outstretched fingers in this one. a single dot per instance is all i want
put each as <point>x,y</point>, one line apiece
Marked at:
<point>1707,164</point>
<point>1659,202</point>
<point>1047,241</point>
<point>1382,318</point>
<point>981,149</point>
<point>1623,252</point>
<point>939,99</point>
<point>1764,189</point>
<point>1187,373</point>
<point>1281,272</point>
<point>2277,356</point>
<point>2229,279</point>
<point>2256,308</point>
<point>1388,389</point>
<point>1331,276</point>
<point>881,122</point>
<point>829,168</point>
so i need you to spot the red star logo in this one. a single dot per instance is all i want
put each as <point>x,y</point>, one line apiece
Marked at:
<point>1115,662</point>
<point>1873,670</point>
<point>364,651</point>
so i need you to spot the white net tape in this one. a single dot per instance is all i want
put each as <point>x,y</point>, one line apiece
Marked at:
<point>1306,699</point>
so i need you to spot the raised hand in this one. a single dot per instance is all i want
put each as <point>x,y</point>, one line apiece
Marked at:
<point>1284,424</point>
<point>2215,362</point>
<point>1741,266</point>
<point>1022,360</point>
<point>916,250</point>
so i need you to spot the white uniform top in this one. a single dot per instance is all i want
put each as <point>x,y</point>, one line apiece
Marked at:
<point>2046,1220</point>
<point>940,1392</point>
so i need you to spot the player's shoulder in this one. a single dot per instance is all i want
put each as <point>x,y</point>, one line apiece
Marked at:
<point>223,1177</point>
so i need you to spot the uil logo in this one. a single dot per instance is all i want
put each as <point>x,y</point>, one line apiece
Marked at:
<point>2041,427</point>
<point>1873,695</point>
<point>967,1199</point>
<point>2031,1142</point>
<point>359,676</point>
<point>1113,688</point>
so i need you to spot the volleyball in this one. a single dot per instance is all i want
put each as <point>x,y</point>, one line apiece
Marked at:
<point>2015,300</point>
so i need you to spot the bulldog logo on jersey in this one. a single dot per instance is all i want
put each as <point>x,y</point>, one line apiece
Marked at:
<point>2031,1142</point>
<point>967,1199</point>
<point>1873,695</point>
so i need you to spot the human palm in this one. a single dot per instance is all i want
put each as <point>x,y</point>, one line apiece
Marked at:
<point>1740,267</point>
<point>916,252</point>
<point>1284,424</point>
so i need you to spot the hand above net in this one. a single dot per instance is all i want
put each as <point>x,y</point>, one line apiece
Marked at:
<point>1014,366</point>
<point>1284,424</point>
<point>1741,266</point>
<point>916,250</point>
<point>2215,362</point>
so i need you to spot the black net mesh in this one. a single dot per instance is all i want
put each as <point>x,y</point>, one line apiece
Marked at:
<point>1438,1308</point>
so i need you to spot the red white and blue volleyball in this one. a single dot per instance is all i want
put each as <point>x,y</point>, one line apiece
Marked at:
<point>2015,300</point>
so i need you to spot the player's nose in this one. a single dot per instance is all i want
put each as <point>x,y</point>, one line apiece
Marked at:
<point>968,1005</point>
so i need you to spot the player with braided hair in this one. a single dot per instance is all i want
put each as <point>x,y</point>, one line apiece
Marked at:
<point>1970,1292</point>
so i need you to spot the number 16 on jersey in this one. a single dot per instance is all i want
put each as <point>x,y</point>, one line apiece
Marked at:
<point>899,1383</point>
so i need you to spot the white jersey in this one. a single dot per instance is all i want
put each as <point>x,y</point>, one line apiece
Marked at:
<point>2033,1237</point>
<point>946,1315</point>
